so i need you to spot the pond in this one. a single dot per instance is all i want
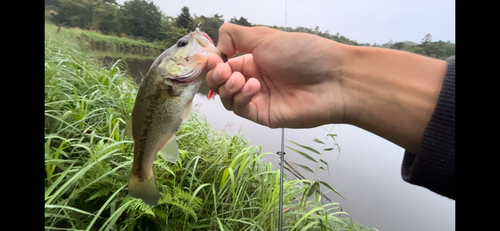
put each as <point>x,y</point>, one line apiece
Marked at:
<point>367,172</point>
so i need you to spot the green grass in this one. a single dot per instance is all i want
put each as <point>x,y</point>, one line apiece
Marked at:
<point>106,45</point>
<point>219,183</point>
<point>122,55</point>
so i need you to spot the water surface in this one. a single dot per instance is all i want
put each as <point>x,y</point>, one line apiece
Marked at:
<point>367,172</point>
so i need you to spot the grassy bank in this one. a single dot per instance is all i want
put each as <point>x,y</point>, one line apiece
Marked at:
<point>219,183</point>
<point>107,45</point>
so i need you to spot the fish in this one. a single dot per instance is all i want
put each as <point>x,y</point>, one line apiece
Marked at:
<point>163,101</point>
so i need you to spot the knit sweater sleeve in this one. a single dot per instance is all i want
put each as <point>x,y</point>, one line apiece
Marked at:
<point>433,166</point>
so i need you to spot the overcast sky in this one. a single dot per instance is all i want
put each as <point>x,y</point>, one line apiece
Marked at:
<point>361,20</point>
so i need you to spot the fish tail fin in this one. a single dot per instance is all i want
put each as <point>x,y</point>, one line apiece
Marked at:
<point>144,189</point>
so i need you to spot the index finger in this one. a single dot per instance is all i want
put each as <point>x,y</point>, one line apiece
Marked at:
<point>213,60</point>
<point>234,38</point>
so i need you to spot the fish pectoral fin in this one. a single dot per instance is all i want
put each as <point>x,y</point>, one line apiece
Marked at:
<point>128,127</point>
<point>187,111</point>
<point>170,152</point>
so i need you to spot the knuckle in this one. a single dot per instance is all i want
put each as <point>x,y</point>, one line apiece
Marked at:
<point>210,81</point>
<point>227,104</point>
<point>225,26</point>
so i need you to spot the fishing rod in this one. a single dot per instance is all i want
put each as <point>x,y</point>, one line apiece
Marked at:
<point>282,157</point>
<point>282,160</point>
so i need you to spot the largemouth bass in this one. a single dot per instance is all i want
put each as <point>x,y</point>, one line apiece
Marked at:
<point>163,101</point>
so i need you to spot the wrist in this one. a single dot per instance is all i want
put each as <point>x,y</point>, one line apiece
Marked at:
<point>391,93</point>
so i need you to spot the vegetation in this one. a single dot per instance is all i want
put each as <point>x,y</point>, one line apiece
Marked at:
<point>112,44</point>
<point>320,165</point>
<point>142,19</point>
<point>219,183</point>
<point>439,49</point>
<point>107,45</point>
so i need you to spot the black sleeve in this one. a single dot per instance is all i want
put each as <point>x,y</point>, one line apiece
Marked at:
<point>433,166</point>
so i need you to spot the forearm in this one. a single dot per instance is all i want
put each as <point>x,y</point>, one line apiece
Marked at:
<point>393,93</point>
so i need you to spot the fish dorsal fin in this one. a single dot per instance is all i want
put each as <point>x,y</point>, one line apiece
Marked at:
<point>128,127</point>
<point>170,152</point>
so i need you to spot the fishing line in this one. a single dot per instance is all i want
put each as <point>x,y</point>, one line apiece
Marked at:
<point>282,158</point>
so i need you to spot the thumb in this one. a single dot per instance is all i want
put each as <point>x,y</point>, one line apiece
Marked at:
<point>234,38</point>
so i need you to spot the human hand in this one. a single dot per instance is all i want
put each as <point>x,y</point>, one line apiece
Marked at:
<point>285,79</point>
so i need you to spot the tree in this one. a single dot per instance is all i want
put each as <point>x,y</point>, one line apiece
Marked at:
<point>52,8</point>
<point>242,21</point>
<point>102,15</point>
<point>197,21</point>
<point>184,20</point>
<point>120,25</point>
<point>103,18</point>
<point>170,31</point>
<point>427,38</point>
<point>415,49</point>
<point>390,43</point>
<point>211,25</point>
<point>397,45</point>
<point>76,13</point>
<point>303,29</point>
<point>143,18</point>
<point>449,49</point>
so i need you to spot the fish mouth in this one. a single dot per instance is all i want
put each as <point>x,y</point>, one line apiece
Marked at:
<point>203,42</point>
<point>202,37</point>
<point>188,77</point>
<point>178,81</point>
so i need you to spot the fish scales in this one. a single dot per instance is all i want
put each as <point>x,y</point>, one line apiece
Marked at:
<point>163,101</point>
<point>157,110</point>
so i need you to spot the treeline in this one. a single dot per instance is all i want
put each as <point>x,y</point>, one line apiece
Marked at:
<point>337,37</point>
<point>439,49</point>
<point>142,19</point>
<point>136,19</point>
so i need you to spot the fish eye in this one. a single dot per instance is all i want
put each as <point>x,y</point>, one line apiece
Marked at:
<point>182,43</point>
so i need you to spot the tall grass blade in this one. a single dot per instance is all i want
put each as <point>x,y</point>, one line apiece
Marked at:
<point>318,141</point>
<point>104,206</point>
<point>331,188</point>
<point>305,216</point>
<point>314,187</point>
<point>69,208</point>
<point>310,225</point>
<point>304,167</point>
<point>305,147</point>
<point>303,154</point>
<point>111,221</point>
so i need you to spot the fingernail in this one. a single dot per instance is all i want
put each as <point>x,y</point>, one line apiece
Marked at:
<point>216,75</point>
<point>230,83</point>
<point>247,87</point>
